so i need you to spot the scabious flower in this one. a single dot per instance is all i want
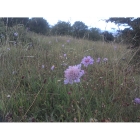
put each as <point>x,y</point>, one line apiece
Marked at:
<point>137,100</point>
<point>15,34</point>
<point>65,55</point>
<point>73,74</point>
<point>43,66</point>
<point>52,67</point>
<point>105,59</point>
<point>68,40</point>
<point>115,47</point>
<point>87,61</point>
<point>98,60</point>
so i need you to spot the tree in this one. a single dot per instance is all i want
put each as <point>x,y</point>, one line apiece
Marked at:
<point>79,29</point>
<point>61,28</point>
<point>133,30</point>
<point>14,21</point>
<point>108,36</point>
<point>130,35</point>
<point>94,34</point>
<point>39,25</point>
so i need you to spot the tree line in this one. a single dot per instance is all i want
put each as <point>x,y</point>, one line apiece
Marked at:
<point>130,35</point>
<point>41,26</point>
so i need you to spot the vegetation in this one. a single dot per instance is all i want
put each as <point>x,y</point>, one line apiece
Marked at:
<point>130,35</point>
<point>32,76</point>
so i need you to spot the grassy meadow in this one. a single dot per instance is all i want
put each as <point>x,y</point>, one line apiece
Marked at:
<point>32,85</point>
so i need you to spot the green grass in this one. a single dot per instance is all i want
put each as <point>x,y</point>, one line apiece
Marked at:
<point>105,93</point>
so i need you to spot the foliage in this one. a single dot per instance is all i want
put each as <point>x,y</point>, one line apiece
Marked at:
<point>2,32</point>
<point>108,36</point>
<point>14,21</point>
<point>39,25</point>
<point>79,29</point>
<point>132,33</point>
<point>61,28</point>
<point>94,34</point>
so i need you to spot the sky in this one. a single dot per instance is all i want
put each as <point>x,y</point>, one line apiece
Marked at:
<point>91,12</point>
<point>98,22</point>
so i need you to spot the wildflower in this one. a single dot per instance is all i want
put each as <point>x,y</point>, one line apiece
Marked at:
<point>65,55</point>
<point>15,34</point>
<point>68,41</point>
<point>115,47</point>
<point>137,100</point>
<point>98,60</point>
<point>43,66</point>
<point>14,72</point>
<point>8,49</point>
<point>64,64</point>
<point>87,61</point>
<point>69,93</point>
<point>52,67</point>
<point>105,59</point>
<point>63,45</point>
<point>27,29</point>
<point>8,96</point>
<point>73,74</point>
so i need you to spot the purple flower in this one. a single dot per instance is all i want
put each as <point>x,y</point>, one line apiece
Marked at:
<point>52,67</point>
<point>137,100</point>
<point>65,55</point>
<point>15,34</point>
<point>98,60</point>
<point>105,59</point>
<point>68,41</point>
<point>27,29</point>
<point>43,66</point>
<point>69,92</point>
<point>73,74</point>
<point>87,61</point>
<point>115,47</point>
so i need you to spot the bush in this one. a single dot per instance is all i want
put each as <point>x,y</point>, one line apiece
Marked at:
<point>39,25</point>
<point>61,28</point>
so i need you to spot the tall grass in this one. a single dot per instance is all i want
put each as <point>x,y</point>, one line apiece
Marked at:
<point>31,91</point>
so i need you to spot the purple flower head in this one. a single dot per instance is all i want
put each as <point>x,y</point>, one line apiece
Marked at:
<point>105,59</point>
<point>52,67</point>
<point>65,55</point>
<point>43,66</point>
<point>115,47</point>
<point>87,61</point>
<point>27,29</point>
<point>137,100</point>
<point>68,41</point>
<point>73,74</point>
<point>15,34</point>
<point>98,60</point>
